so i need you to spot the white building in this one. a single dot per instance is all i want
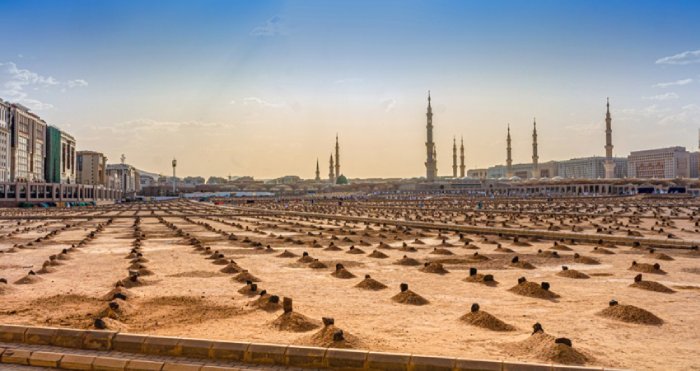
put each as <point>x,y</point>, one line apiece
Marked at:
<point>661,163</point>
<point>68,159</point>
<point>4,141</point>
<point>28,132</point>
<point>127,177</point>
<point>590,168</point>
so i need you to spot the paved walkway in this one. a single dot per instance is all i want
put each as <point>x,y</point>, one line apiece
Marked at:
<point>134,356</point>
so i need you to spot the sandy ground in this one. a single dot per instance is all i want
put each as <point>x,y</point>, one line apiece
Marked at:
<point>187,295</point>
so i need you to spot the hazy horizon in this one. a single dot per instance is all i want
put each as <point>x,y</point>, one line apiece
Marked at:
<point>261,88</point>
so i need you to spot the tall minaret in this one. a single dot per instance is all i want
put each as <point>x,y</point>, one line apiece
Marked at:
<point>535,157</point>
<point>431,162</point>
<point>509,159</point>
<point>461,159</point>
<point>337,157</point>
<point>454,157</point>
<point>609,163</point>
<point>318,172</point>
<point>331,174</point>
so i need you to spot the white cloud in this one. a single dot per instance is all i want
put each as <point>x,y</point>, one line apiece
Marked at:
<point>16,82</point>
<point>663,97</point>
<point>255,101</point>
<point>389,105</point>
<point>77,83</point>
<point>273,27</point>
<point>673,83</point>
<point>689,115</point>
<point>687,57</point>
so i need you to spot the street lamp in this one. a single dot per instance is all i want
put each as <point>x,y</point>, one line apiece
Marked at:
<point>174,179</point>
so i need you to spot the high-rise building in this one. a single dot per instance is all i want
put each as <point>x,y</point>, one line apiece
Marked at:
<point>4,141</point>
<point>668,163</point>
<point>431,161</point>
<point>28,133</point>
<point>59,166</point>
<point>91,168</point>
<point>590,168</point>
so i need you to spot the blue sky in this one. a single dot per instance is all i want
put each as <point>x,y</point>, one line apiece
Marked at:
<point>261,87</point>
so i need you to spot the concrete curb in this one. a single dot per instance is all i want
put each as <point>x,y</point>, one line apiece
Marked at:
<point>214,350</point>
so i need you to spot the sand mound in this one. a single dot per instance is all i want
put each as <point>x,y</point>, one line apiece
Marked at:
<point>585,260</point>
<point>533,290</point>
<point>652,286</point>
<point>481,278</point>
<point>332,248</point>
<point>29,279</point>
<point>560,247</point>
<point>342,273</point>
<point>471,246</point>
<point>631,314</point>
<point>354,250</point>
<point>267,302</point>
<point>660,256</point>
<point>116,309</point>
<point>370,283</point>
<point>305,259</point>
<point>522,265</point>
<point>327,337</point>
<point>572,273</point>
<point>231,267</point>
<point>409,297</point>
<point>196,274</point>
<point>118,291</point>
<point>478,257</point>
<point>503,249</point>
<point>486,320</point>
<point>245,276</point>
<point>317,264</point>
<point>287,254</point>
<point>600,250</point>
<point>543,346</point>
<point>378,254</point>
<point>407,261</point>
<point>295,322</point>
<point>434,267</point>
<point>439,251</point>
<point>249,290</point>
<point>646,268</point>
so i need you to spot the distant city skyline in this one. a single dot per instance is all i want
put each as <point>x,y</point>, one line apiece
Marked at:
<point>262,88</point>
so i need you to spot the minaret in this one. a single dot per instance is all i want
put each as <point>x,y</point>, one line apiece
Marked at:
<point>454,157</point>
<point>461,158</point>
<point>509,159</point>
<point>535,157</point>
<point>431,162</point>
<point>337,157</point>
<point>331,175</point>
<point>318,172</point>
<point>609,163</point>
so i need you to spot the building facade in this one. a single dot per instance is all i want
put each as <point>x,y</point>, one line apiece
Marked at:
<point>127,177</point>
<point>68,154</point>
<point>27,136</point>
<point>91,168</point>
<point>4,141</point>
<point>661,163</point>
<point>591,168</point>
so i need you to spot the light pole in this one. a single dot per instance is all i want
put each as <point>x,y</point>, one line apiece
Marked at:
<point>174,179</point>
